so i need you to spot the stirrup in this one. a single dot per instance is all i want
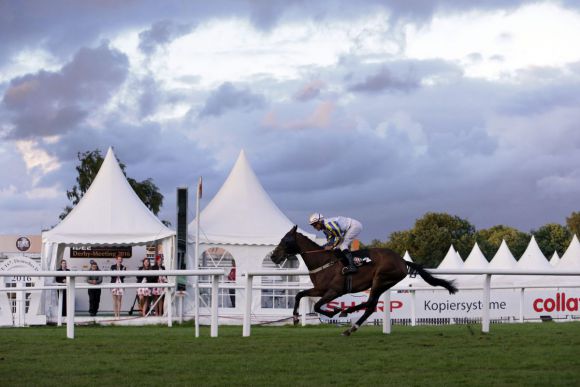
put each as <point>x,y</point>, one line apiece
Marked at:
<point>349,270</point>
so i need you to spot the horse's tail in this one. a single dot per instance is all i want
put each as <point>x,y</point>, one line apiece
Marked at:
<point>433,281</point>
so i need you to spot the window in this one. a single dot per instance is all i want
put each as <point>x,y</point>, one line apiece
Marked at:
<point>279,296</point>
<point>218,258</point>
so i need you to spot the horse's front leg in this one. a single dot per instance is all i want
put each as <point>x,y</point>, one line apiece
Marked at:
<point>303,293</point>
<point>328,296</point>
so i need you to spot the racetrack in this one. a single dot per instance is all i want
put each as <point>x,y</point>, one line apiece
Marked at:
<point>512,354</point>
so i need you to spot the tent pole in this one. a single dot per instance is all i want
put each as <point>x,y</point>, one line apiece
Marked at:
<point>196,255</point>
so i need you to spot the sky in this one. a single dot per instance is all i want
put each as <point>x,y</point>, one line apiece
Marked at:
<point>381,111</point>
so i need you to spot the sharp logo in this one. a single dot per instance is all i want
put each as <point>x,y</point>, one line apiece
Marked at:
<point>560,304</point>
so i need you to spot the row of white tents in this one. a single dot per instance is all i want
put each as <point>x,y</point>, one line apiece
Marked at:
<point>531,259</point>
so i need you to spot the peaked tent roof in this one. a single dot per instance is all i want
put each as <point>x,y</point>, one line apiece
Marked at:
<point>503,258</point>
<point>533,258</point>
<point>452,260</point>
<point>110,213</point>
<point>571,257</point>
<point>475,260</point>
<point>242,212</point>
<point>555,260</point>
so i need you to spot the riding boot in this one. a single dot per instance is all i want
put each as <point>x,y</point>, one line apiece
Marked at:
<point>351,268</point>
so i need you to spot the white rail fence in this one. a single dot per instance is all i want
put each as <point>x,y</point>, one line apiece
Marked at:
<point>71,286</point>
<point>386,296</point>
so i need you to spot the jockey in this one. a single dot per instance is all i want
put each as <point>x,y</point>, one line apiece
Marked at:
<point>340,232</point>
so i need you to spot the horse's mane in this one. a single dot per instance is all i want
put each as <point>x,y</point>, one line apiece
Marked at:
<point>308,239</point>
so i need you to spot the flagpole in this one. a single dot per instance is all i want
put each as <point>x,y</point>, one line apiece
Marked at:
<point>196,259</point>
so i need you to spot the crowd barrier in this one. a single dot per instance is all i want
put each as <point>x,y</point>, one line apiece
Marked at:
<point>249,276</point>
<point>71,287</point>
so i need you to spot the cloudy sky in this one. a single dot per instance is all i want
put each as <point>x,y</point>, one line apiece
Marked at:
<point>372,109</point>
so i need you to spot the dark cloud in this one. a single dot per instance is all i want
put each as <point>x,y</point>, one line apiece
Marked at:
<point>228,97</point>
<point>49,103</point>
<point>384,80</point>
<point>161,34</point>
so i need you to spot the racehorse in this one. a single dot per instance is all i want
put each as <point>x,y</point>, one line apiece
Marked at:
<point>386,269</point>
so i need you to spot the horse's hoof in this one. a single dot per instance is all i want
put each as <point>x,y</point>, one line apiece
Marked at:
<point>346,333</point>
<point>295,320</point>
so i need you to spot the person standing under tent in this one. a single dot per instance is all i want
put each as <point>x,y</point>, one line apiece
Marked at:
<point>94,294</point>
<point>232,279</point>
<point>145,293</point>
<point>117,292</point>
<point>340,231</point>
<point>62,280</point>
<point>158,292</point>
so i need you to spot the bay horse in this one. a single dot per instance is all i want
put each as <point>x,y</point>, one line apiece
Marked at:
<point>386,269</point>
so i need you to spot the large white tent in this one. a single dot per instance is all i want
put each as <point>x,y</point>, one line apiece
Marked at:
<point>240,224</point>
<point>109,214</point>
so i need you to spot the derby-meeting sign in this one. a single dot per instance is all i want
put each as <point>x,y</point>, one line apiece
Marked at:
<point>101,251</point>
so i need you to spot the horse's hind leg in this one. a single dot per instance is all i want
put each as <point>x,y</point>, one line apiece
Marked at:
<point>371,305</point>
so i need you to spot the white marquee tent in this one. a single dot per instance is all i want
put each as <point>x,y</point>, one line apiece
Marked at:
<point>109,214</point>
<point>240,224</point>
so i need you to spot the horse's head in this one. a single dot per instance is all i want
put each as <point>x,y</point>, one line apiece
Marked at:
<point>286,248</point>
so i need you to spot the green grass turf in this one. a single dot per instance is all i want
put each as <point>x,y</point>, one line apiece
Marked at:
<point>512,354</point>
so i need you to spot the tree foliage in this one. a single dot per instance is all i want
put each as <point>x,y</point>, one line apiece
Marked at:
<point>553,237</point>
<point>428,241</point>
<point>490,239</point>
<point>90,163</point>
<point>573,223</point>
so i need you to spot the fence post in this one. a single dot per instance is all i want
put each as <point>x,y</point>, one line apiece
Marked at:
<point>169,310</point>
<point>522,305</point>
<point>214,305</point>
<point>20,305</point>
<point>70,307</point>
<point>248,308</point>
<point>303,311</point>
<point>486,299</point>
<point>387,312</point>
<point>413,309</point>
<point>59,312</point>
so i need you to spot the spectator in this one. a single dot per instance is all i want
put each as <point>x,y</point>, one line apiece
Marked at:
<point>62,280</point>
<point>94,294</point>
<point>145,293</point>
<point>117,292</point>
<point>158,292</point>
<point>232,278</point>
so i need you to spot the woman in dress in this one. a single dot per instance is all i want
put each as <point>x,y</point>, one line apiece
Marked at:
<point>117,292</point>
<point>145,293</point>
<point>158,292</point>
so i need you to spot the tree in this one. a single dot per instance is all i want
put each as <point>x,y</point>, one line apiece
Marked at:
<point>435,232</point>
<point>490,239</point>
<point>90,163</point>
<point>573,223</point>
<point>400,241</point>
<point>428,241</point>
<point>552,237</point>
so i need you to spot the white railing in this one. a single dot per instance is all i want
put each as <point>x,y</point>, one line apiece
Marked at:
<point>386,296</point>
<point>71,286</point>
